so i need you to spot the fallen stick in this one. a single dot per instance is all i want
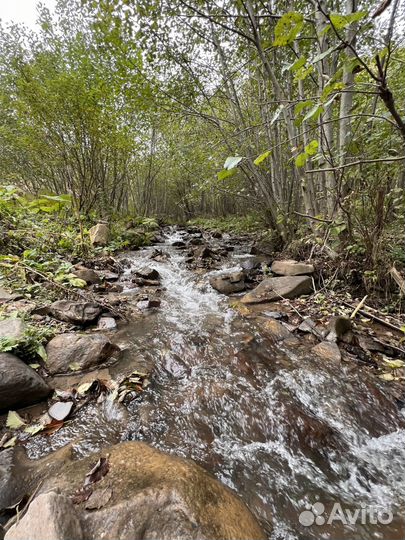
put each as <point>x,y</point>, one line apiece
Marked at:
<point>359,306</point>
<point>374,317</point>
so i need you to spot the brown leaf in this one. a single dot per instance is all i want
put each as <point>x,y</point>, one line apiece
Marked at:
<point>81,495</point>
<point>99,470</point>
<point>98,499</point>
<point>52,427</point>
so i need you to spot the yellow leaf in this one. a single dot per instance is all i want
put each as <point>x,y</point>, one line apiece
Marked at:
<point>14,420</point>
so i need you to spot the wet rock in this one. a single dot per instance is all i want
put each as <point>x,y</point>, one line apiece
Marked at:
<point>155,495</point>
<point>307,325</point>
<point>197,241</point>
<point>204,252</point>
<point>68,352</point>
<point>88,275</point>
<point>147,304</point>
<point>109,276</point>
<point>179,244</point>
<point>20,385</point>
<point>291,268</point>
<point>75,312</point>
<point>278,332</point>
<point>50,516</point>
<point>20,476</point>
<point>271,289</point>
<point>327,351</point>
<point>106,323</point>
<point>159,255</point>
<point>146,282</point>
<point>99,234</point>
<point>229,284</point>
<point>148,273</point>
<point>216,234</point>
<point>12,329</point>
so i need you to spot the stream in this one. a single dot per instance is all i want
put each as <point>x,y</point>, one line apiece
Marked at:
<point>283,429</point>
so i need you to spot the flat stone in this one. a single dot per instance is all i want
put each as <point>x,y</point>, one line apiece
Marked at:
<point>88,275</point>
<point>75,312</point>
<point>74,352</point>
<point>229,284</point>
<point>50,516</point>
<point>20,385</point>
<point>291,268</point>
<point>12,329</point>
<point>271,289</point>
<point>276,330</point>
<point>106,323</point>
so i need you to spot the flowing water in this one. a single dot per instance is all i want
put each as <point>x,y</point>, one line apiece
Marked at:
<point>283,429</point>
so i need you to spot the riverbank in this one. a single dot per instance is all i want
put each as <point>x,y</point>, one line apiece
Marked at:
<point>246,389</point>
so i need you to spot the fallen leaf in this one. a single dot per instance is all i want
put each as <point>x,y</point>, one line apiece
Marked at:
<point>99,470</point>
<point>81,495</point>
<point>74,366</point>
<point>60,410</point>
<point>33,430</point>
<point>14,420</point>
<point>11,442</point>
<point>98,499</point>
<point>53,427</point>
<point>387,377</point>
<point>83,388</point>
<point>394,364</point>
<point>34,366</point>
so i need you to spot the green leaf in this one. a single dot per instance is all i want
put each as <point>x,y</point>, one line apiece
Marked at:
<point>232,162</point>
<point>312,148</point>
<point>341,21</point>
<point>323,54</point>
<point>314,113</point>
<point>303,105</point>
<point>42,353</point>
<point>14,420</point>
<point>298,64</point>
<point>262,157</point>
<point>301,159</point>
<point>287,28</point>
<point>77,282</point>
<point>226,174</point>
<point>303,73</point>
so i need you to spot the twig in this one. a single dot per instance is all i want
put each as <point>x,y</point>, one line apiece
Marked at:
<point>353,163</point>
<point>399,280</point>
<point>359,306</point>
<point>374,317</point>
<point>314,218</point>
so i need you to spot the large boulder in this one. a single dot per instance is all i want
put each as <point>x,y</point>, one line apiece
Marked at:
<point>50,516</point>
<point>68,352</point>
<point>328,351</point>
<point>291,268</point>
<point>20,385</point>
<point>99,234</point>
<point>12,329</point>
<point>229,284</point>
<point>75,312</point>
<point>271,289</point>
<point>141,493</point>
